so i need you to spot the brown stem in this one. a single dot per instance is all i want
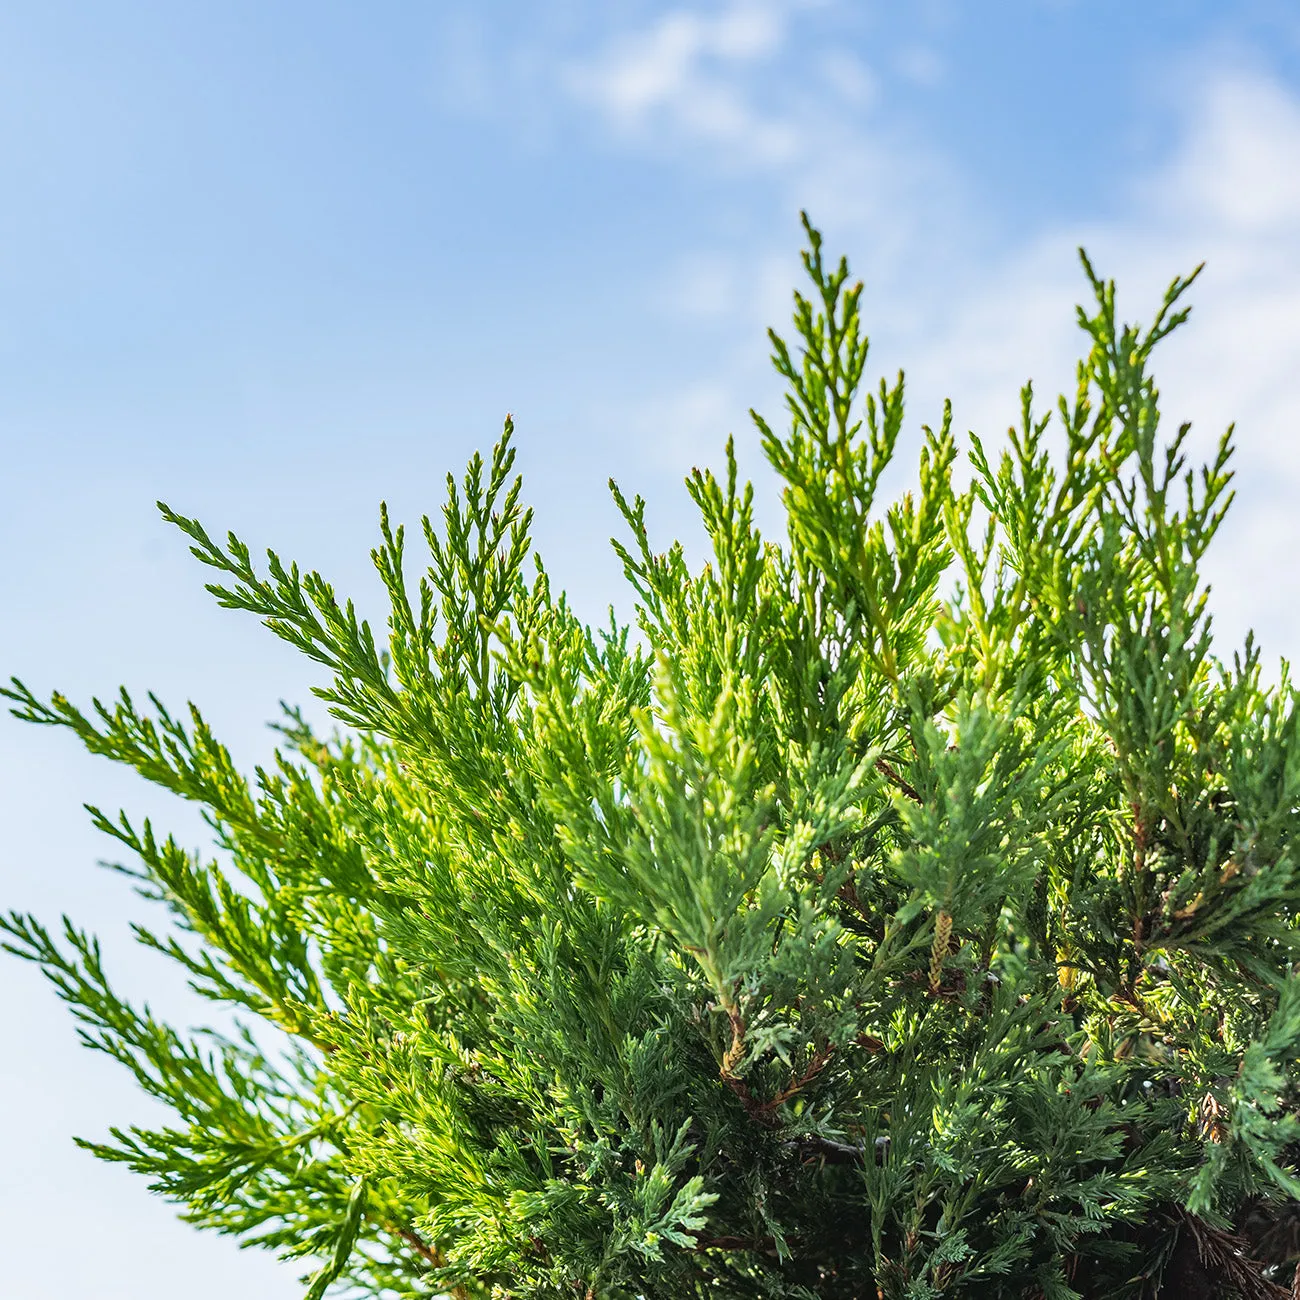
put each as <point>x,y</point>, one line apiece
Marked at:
<point>731,1057</point>
<point>422,1248</point>
<point>815,1067</point>
<point>848,892</point>
<point>417,1244</point>
<point>827,1150</point>
<point>898,780</point>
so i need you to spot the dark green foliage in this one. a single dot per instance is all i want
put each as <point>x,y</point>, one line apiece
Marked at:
<point>907,909</point>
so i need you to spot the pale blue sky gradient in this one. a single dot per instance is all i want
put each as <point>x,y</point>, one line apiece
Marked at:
<point>273,263</point>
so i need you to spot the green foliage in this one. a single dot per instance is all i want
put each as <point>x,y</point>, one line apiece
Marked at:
<point>905,909</point>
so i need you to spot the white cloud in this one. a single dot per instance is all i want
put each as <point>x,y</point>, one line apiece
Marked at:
<point>921,64</point>
<point>850,78</point>
<point>1237,171</point>
<point>716,285</point>
<point>651,69</point>
<point>715,90</point>
<point>718,87</point>
<point>679,78</point>
<point>1229,195</point>
<point>690,419</point>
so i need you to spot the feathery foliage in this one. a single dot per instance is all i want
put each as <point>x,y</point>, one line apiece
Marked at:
<point>903,909</point>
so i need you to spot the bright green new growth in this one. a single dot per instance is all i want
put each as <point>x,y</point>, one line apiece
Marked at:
<point>904,910</point>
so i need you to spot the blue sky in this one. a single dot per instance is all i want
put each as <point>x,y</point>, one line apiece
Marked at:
<point>273,263</point>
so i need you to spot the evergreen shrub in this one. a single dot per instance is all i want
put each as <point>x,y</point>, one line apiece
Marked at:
<point>906,908</point>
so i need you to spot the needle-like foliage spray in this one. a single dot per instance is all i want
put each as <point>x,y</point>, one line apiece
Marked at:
<point>904,908</point>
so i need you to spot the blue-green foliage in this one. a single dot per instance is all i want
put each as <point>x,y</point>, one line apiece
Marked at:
<point>904,909</point>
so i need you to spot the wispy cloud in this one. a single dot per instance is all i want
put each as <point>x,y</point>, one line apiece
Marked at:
<point>740,88</point>
<point>922,65</point>
<point>751,88</point>
<point>681,78</point>
<point>1237,171</point>
<point>1229,195</point>
<point>743,89</point>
